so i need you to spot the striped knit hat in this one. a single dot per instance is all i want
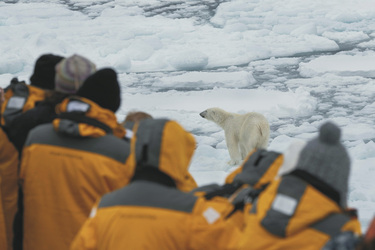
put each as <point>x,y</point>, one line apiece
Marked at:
<point>72,72</point>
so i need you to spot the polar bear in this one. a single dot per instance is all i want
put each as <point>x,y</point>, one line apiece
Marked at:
<point>243,132</point>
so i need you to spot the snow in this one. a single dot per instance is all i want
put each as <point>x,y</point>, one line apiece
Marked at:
<point>360,64</point>
<point>300,63</point>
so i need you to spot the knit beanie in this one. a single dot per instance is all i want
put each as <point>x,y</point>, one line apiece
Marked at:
<point>44,71</point>
<point>327,159</point>
<point>72,72</point>
<point>102,88</point>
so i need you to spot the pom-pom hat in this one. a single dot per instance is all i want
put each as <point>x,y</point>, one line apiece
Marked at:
<point>327,159</point>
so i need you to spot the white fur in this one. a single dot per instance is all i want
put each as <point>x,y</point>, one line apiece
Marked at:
<point>243,132</point>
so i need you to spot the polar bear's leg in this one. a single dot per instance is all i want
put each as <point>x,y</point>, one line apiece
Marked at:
<point>233,148</point>
<point>250,138</point>
<point>264,135</point>
<point>247,144</point>
<point>244,150</point>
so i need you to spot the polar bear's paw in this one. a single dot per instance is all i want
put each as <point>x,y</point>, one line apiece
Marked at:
<point>233,162</point>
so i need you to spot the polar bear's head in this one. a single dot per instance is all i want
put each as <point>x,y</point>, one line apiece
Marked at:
<point>216,115</point>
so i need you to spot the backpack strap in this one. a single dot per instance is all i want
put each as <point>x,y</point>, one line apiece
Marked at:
<point>284,205</point>
<point>224,191</point>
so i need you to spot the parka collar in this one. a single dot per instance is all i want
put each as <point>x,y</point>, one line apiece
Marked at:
<point>76,112</point>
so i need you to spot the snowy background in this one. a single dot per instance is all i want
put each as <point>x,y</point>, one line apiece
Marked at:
<point>300,63</point>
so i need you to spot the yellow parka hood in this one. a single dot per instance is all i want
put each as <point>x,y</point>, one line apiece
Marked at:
<point>165,145</point>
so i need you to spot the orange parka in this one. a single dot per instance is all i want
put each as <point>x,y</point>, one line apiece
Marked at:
<point>3,230</point>
<point>19,97</point>
<point>148,213</point>
<point>291,213</point>
<point>8,185</point>
<point>66,166</point>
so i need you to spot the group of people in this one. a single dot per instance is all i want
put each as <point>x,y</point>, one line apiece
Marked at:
<point>73,177</point>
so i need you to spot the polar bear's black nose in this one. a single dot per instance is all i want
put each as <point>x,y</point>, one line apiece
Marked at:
<point>203,114</point>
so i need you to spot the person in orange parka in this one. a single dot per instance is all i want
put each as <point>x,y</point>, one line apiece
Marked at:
<point>60,78</point>
<point>21,97</point>
<point>8,186</point>
<point>307,205</point>
<point>67,165</point>
<point>8,170</point>
<point>155,211</point>
<point>18,98</point>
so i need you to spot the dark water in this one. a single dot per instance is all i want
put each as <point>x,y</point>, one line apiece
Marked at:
<point>200,10</point>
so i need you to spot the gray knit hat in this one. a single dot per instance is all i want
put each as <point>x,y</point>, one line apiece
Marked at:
<point>327,159</point>
<point>72,72</point>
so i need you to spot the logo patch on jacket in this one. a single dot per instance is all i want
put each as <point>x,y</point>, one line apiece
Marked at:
<point>284,204</point>
<point>77,106</point>
<point>211,215</point>
<point>16,102</point>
